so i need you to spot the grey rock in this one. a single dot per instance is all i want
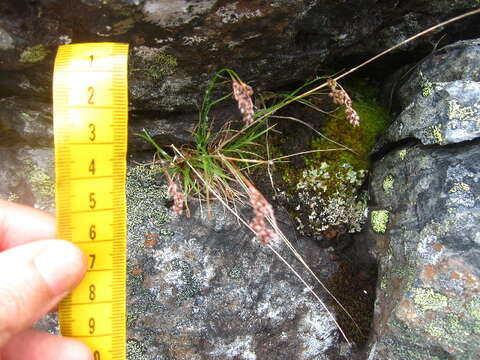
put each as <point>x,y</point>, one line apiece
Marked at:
<point>175,12</point>
<point>27,83</point>
<point>449,114</point>
<point>457,61</point>
<point>270,45</point>
<point>12,181</point>
<point>29,123</point>
<point>25,122</point>
<point>175,128</point>
<point>427,215</point>
<point>38,167</point>
<point>204,288</point>
<point>27,176</point>
<point>6,41</point>
<point>165,129</point>
<point>427,303</point>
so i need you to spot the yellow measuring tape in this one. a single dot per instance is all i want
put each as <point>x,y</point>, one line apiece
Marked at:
<point>90,110</point>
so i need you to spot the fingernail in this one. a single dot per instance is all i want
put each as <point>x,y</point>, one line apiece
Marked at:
<point>61,265</point>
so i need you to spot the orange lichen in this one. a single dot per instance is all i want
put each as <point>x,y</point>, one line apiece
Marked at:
<point>429,272</point>
<point>455,275</point>
<point>150,243</point>
<point>437,247</point>
<point>137,271</point>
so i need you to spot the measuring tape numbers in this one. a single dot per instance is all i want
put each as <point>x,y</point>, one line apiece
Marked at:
<point>90,110</point>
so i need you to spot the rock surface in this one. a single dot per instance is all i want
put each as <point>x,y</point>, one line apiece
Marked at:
<point>204,288</point>
<point>176,46</point>
<point>449,113</point>
<point>27,176</point>
<point>439,103</point>
<point>25,122</point>
<point>457,61</point>
<point>426,223</point>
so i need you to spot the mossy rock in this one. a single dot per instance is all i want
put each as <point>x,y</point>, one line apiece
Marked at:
<point>373,120</point>
<point>342,171</point>
<point>155,63</point>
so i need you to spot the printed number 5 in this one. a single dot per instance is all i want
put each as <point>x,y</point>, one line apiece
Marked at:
<point>92,201</point>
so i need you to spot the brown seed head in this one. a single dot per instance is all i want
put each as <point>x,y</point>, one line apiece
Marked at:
<point>177,196</point>
<point>340,96</point>
<point>261,209</point>
<point>243,95</point>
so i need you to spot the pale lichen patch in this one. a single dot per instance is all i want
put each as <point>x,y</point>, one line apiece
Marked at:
<point>460,187</point>
<point>425,84</point>
<point>34,54</point>
<point>43,187</point>
<point>388,183</point>
<point>380,220</point>
<point>459,112</point>
<point>435,133</point>
<point>427,299</point>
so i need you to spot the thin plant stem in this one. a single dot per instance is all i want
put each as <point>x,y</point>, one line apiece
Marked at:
<point>302,261</point>
<point>245,182</point>
<point>306,152</point>
<point>316,131</point>
<point>410,39</point>
<point>311,291</point>
<point>278,231</point>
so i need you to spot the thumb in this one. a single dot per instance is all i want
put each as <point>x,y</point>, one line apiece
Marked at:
<point>34,277</point>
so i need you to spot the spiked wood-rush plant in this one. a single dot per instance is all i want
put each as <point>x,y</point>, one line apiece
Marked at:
<point>217,164</point>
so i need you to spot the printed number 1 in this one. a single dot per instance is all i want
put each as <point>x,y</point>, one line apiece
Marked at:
<point>96,355</point>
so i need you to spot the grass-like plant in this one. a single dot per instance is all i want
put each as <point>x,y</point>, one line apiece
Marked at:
<point>221,158</point>
<point>213,155</point>
<point>217,164</point>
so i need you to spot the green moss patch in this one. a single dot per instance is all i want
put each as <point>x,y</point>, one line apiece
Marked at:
<point>328,189</point>
<point>373,120</point>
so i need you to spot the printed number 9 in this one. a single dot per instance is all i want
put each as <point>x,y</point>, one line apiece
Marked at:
<point>91,326</point>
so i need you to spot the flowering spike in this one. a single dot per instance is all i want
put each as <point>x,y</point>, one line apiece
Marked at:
<point>262,209</point>
<point>177,197</point>
<point>340,96</point>
<point>243,95</point>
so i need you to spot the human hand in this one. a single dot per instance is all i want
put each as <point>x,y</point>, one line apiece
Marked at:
<point>35,274</point>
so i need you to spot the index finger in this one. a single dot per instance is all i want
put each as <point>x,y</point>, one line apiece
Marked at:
<point>21,224</point>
